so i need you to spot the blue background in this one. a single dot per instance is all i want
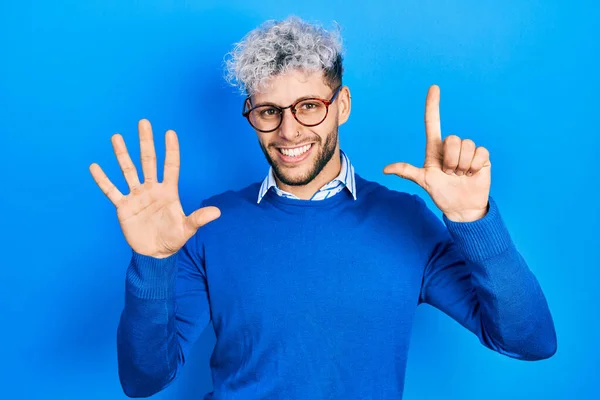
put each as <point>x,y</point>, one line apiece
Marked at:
<point>520,78</point>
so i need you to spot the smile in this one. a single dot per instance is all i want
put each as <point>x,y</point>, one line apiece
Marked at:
<point>295,154</point>
<point>295,151</point>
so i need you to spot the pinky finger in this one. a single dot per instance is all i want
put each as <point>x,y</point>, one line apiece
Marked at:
<point>107,187</point>
<point>480,159</point>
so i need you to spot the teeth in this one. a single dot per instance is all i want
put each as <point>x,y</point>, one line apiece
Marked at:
<point>295,152</point>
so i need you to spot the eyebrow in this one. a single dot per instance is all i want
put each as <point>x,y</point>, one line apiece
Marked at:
<point>267,103</point>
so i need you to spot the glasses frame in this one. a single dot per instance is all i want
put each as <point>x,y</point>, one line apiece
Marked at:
<point>292,108</point>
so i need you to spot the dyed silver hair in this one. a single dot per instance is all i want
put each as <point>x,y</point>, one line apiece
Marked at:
<point>277,47</point>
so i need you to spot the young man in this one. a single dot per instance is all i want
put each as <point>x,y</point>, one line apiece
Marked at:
<point>311,278</point>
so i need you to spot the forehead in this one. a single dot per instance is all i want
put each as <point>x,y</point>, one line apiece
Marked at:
<point>285,88</point>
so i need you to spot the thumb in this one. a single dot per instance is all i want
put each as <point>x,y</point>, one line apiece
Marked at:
<point>406,171</point>
<point>200,217</point>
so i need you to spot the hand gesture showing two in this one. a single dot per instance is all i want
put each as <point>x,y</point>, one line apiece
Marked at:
<point>456,173</point>
<point>151,215</point>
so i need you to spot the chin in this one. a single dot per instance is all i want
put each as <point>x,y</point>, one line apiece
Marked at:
<point>304,170</point>
<point>298,175</point>
<point>295,179</point>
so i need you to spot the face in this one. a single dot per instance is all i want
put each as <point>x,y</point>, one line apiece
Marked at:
<point>297,153</point>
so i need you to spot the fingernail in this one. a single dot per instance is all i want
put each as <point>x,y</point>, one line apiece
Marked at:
<point>459,173</point>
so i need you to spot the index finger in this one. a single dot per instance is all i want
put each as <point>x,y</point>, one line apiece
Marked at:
<point>433,128</point>
<point>433,131</point>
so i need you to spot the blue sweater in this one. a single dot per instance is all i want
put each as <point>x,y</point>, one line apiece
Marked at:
<point>316,299</point>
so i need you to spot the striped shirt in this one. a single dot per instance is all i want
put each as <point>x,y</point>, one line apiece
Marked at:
<point>345,179</point>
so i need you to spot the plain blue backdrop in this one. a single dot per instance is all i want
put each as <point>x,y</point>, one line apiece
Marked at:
<point>519,77</point>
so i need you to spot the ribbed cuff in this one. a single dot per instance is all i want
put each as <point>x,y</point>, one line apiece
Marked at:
<point>482,239</point>
<point>151,278</point>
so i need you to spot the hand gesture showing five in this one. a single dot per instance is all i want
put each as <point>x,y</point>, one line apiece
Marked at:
<point>151,215</point>
<point>456,173</point>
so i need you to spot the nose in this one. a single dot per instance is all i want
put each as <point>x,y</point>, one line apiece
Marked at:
<point>289,126</point>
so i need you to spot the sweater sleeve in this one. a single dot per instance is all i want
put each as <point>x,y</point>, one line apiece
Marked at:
<point>166,309</point>
<point>476,275</point>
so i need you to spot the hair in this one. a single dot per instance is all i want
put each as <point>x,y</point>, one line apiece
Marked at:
<point>277,47</point>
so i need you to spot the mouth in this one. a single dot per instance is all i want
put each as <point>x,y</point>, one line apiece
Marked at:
<point>293,155</point>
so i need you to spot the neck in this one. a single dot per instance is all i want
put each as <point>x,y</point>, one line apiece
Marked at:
<point>327,174</point>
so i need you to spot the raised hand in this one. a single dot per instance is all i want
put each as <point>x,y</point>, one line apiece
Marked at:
<point>456,173</point>
<point>151,215</point>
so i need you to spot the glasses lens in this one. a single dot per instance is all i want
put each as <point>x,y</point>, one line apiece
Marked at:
<point>308,112</point>
<point>311,111</point>
<point>265,118</point>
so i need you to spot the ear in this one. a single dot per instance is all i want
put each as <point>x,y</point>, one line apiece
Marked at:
<point>248,102</point>
<point>344,105</point>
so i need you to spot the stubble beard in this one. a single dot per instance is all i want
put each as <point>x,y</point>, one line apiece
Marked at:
<point>325,155</point>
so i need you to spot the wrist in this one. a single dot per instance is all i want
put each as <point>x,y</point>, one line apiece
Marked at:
<point>150,277</point>
<point>467,215</point>
<point>159,256</point>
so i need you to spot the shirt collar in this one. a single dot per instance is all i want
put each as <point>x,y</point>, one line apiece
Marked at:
<point>346,178</point>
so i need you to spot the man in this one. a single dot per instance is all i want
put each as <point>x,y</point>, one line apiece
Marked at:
<point>311,277</point>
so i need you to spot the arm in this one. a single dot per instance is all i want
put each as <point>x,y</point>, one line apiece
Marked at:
<point>476,276</point>
<point>166,303</point>
<point>166,309</point>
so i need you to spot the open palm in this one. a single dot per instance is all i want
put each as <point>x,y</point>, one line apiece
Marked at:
<point>151,216</point>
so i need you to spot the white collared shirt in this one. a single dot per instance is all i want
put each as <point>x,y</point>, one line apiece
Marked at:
<point>345,179</point>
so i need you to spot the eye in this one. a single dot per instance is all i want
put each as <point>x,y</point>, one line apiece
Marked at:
<point>310,106</point>
<point>268,112</point>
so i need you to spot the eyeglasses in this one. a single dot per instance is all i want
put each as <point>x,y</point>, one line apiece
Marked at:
<point>307,111</point>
